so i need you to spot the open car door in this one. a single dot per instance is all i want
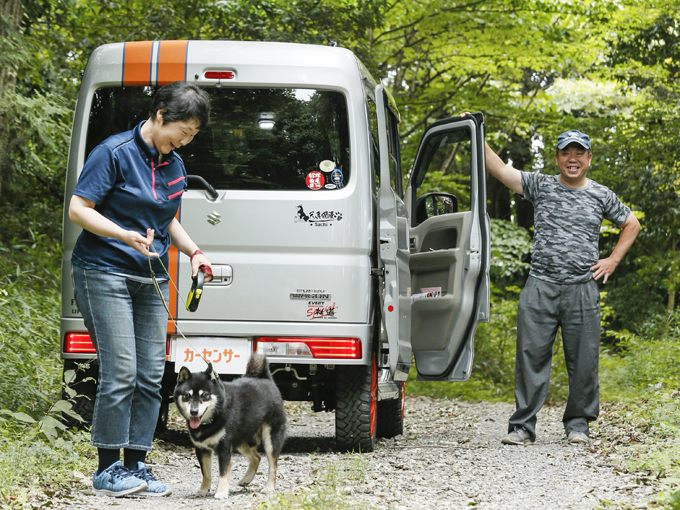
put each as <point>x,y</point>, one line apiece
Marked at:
<point>450,247</point>
<point>392,247</point>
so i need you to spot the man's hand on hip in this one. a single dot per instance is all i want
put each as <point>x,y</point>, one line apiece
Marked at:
<point>604,267</point>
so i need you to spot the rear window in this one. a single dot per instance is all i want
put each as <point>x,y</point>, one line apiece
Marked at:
<point>258,138</point>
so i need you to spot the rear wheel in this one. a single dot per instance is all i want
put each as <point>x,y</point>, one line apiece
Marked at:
<point>167,389</point>
<point>356,409</point>
<point>391,416</point>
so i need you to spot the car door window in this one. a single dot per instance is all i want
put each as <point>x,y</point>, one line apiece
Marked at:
<point>375,151</point>
<point>393,147</point>
<point>443,183</point>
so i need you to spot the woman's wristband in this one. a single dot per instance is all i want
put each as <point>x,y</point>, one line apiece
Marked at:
<point>197,252</point>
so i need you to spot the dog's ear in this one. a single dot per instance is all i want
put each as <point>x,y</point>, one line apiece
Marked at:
<point>184,374</point>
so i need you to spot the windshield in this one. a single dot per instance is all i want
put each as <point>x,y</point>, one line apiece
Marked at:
<point>258,138</point>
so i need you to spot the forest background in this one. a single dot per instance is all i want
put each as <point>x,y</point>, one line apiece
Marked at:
<point>535,68</point>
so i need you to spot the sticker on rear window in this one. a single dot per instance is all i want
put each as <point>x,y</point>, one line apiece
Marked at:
<point>326,165</point>
<point>337,178</point>
<point>315,180</point>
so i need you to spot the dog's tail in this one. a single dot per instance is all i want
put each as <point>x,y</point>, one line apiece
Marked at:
<point>258,367</point>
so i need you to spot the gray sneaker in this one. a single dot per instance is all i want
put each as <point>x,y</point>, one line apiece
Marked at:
<point>577,438</point>
<point>116,480</point>
<point>518,436</point>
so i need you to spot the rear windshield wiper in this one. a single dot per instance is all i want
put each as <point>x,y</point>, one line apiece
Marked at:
<point>202,183</point>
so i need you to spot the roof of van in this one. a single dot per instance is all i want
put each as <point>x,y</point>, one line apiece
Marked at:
<point>253,63</point>
<point>160,62</point>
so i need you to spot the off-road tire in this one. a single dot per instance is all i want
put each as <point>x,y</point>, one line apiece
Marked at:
<point>85,384</point>
<point>356,409</point>
<point>391,416</point>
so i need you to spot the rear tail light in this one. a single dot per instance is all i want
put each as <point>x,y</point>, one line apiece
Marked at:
<point>81,343</point>
<point>337,348</point>
<point>78,343</point>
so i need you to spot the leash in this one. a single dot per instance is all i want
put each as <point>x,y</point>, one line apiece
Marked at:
<point>165,304</point>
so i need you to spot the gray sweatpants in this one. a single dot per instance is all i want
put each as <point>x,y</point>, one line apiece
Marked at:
<point>543,307</point>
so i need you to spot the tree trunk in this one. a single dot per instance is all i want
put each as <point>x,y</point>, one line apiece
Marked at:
<point>10,21</point>
<point>672,286</point>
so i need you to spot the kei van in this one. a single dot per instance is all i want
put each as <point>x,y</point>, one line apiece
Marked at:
<point>322,260</point>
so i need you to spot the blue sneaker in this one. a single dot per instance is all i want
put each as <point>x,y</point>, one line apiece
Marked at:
<point>116,480</point>
<point>155,488</point>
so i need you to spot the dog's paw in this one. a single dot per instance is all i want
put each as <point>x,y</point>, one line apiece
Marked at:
<point>269,488</point>
<point>201,493</point>
<point>245,481</point>
<point>222,495</point>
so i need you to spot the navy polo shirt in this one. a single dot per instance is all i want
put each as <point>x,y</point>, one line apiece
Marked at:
<point>123,178</point>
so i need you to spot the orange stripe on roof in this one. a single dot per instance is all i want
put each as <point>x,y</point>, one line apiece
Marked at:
<point>172,60</point>
<point>137,63</point>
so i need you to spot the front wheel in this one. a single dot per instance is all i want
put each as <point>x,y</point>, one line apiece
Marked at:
<point>356,409</point>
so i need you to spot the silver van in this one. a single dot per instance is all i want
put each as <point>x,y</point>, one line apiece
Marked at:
<point>322,261</point>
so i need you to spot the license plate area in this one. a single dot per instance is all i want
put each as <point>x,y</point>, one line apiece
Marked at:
<point>227,355</point>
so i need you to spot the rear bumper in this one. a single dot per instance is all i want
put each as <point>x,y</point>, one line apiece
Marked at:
<point>257,329</point>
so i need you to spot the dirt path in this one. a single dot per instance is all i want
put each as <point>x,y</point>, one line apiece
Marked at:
<point>450,456</point>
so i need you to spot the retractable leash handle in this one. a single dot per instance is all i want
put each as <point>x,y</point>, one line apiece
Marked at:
<point>194,297</point>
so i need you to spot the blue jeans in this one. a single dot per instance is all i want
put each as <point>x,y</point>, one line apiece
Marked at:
<point>127,323</point>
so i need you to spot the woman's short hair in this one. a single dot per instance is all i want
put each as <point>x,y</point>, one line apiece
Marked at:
<point>182,101</point>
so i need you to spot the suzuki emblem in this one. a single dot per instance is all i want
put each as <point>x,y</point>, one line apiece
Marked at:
<point>214,218</point>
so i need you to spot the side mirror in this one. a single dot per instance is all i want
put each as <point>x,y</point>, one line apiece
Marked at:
<point>435,204</point>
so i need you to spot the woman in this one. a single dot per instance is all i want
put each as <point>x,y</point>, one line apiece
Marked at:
<point>125,201</point>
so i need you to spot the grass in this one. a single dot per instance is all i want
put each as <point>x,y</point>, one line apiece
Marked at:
<point>38,471</point>
<point>643,378</point>
<point>334,480</point>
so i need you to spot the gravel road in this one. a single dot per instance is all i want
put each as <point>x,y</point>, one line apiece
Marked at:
<point>449,457</point>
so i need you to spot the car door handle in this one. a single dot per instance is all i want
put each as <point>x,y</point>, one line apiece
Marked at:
<point>223,275</point>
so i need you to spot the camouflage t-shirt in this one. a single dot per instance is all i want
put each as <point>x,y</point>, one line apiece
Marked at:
<point>567,225</point>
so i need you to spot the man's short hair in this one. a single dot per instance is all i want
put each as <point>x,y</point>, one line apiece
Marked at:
<point>182,101</point>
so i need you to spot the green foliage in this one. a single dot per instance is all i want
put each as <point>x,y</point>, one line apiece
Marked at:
<point>643,374</point>
<point>642,365</point>
<point>29,339</point>
<point>40,470</point>
<point>37,142</point>
<point>510,247</point>
<point>37,455</point>
<point>455,184</point>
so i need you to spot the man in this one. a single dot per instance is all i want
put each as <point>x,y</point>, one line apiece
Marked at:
<point>561,290</point>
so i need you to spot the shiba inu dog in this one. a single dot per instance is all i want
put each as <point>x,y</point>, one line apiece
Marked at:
<point>241,414</point>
